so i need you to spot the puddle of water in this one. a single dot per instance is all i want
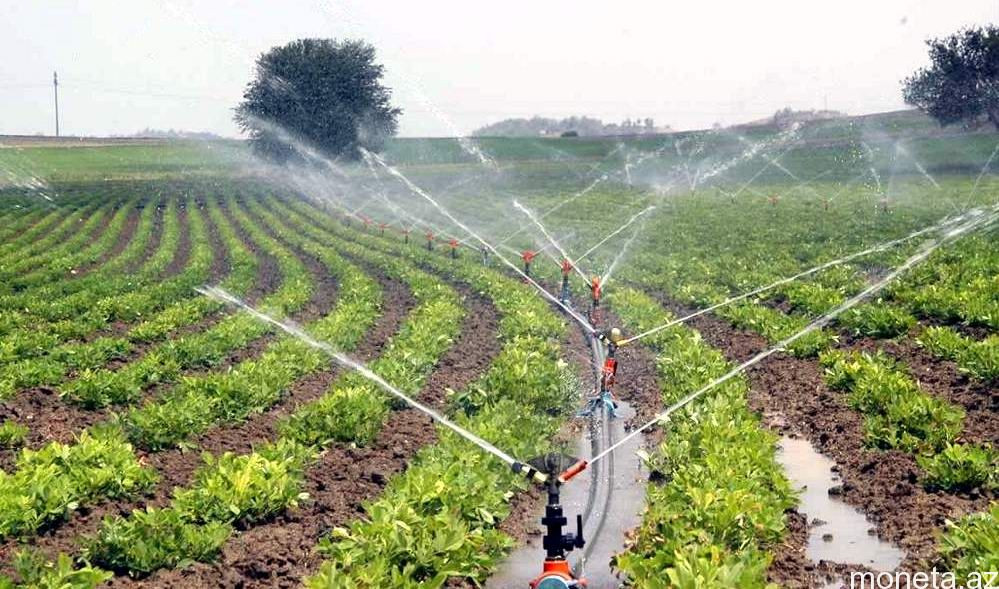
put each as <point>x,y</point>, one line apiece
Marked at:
<point>846,536</point>
<point>625,480</point>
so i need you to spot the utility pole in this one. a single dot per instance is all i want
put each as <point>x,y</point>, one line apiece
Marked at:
<point>55,88</point>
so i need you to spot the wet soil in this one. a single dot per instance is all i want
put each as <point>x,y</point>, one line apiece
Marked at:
<point>791,395</point>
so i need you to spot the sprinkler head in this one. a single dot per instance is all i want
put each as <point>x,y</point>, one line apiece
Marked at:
<point>616,335</point>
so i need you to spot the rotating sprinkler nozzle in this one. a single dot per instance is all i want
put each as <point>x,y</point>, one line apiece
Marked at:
<point>430,240</point>
<point>566,270</point>
<point>454,248</point>
<point>557,470</point>
<point>527,256</point>
<point>595,300</point>
<point>612,339</point>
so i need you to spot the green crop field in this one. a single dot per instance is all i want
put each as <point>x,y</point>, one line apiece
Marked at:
<point>152,435</point>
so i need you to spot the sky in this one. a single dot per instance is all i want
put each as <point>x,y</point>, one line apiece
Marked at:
<point>456,65</point>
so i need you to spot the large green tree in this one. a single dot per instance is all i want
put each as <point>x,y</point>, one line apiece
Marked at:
<point>962,82</point>
<point>323,93</point>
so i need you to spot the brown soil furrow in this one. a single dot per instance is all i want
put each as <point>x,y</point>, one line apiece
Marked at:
<point>269,274</point>
<point>153,243</point>
<point>121,242</point>
<point>183,253</point>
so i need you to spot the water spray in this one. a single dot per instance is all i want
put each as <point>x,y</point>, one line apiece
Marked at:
<point>944,224</point>
<point>348,362</point>
<point>423,194</point>
<point>978,220</point>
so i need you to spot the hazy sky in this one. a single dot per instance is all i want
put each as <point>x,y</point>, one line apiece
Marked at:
<point>456,65</point>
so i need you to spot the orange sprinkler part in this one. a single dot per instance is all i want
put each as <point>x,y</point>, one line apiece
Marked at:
<point>566,267</point>
<point>572,471</point>
<point>595,287</point>
<point>556,574</point>
<point>528,255</point>
<point>453,243</point>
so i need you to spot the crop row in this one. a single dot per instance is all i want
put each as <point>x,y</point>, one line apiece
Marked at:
<point>719,507</point>
<point>165,363</point>
<point>979,359</point>
<point>426,527</point>
<point>899,415</point>
<point>72,223</point>
<point>50,366</point>
<point>76,315</point>
<point>350,412</point>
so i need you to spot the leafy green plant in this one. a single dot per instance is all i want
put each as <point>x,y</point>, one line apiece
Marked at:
<point>12,434</point>
<point>151,539</point>
<point>961,467</point>
<point>36,572</point>
<point>971,544</point>
<point>878,320</point>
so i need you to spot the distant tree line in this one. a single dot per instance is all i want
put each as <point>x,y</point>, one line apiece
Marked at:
<point>174,134</point>
<point>568,127</point>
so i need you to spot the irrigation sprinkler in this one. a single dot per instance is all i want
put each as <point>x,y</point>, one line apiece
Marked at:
<point>430,241</point>
<point>382,227</point>
<point>555,572</point>
<point>527,256</point>
<point>454,248</point>
<point>566,270</point>
<point>485,256</point>
<point>595,300</point>
<point>612,339</point>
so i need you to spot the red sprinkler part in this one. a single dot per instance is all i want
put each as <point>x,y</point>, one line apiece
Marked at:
<point>566,267</point>
<point>608,372</point>
<point>572,471</point>
<point>595,288</point>
<point>527,256</point>
<point>453,243</point>
<point>556,574</point>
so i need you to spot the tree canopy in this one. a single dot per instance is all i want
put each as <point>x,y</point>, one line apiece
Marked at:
<point>326,92</point>
<point>962,82</point>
